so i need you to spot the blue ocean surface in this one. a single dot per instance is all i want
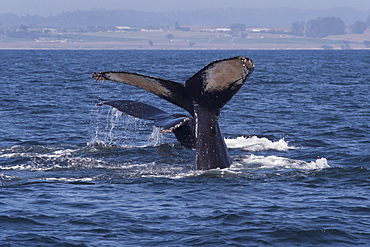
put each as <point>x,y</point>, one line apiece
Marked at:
<point>76,174</point>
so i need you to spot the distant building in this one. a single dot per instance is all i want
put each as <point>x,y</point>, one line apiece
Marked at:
<point>259,30</point>
<point>50,40</point>
<point>127,29</point>
<point>217,30</point>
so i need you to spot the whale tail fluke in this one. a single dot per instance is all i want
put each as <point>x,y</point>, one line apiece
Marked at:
<point>213,86</point>
<point>203,95</point>
<point>171,91</point>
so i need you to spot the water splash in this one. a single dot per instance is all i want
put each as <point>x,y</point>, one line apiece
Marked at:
<point>268,162</point>
<point>254,144</point>
<point>155,137</point>
<point>113,128</point>
<point>113,119</point>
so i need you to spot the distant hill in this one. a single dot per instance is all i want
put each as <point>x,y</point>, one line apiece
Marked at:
<point>266,17</point>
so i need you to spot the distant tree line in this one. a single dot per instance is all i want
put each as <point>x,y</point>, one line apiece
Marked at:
<point>359,27</point>
<point>325,26</point>
<point>22,32</point>
<point>238,30</point>
<point>223,17</point>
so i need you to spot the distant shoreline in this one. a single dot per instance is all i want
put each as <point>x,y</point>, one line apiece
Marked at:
<point>139,46</point>
<point>191,41</point>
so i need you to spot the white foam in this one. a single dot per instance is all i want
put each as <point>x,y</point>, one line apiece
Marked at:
<point>255,143</point>
<point>48,164</point>
<point>57,159</point>
<point>69,179</point>
<point>6,177</point>
<point>55,154</point>
<point>266,162</point>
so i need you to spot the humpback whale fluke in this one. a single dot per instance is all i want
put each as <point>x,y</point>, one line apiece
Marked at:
<point>203,95</point>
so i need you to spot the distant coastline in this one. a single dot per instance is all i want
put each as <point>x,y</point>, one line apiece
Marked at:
<point>190,41</point>
<point>207,29</point>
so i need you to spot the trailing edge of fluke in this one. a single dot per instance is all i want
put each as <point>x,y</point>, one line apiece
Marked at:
<point>203,95</point>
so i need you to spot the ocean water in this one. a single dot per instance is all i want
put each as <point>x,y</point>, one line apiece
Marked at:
<point>76,174</point>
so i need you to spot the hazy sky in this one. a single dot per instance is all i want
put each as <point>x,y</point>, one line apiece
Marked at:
<point>48,7</point>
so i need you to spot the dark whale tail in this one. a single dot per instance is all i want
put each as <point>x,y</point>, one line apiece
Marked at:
<point>203,95</point>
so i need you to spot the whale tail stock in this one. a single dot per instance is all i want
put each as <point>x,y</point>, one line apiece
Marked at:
<point>203,95</point>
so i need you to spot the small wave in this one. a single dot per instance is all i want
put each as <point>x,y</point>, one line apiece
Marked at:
<point>55,154</point>
<point>49,164</point>
<point>254,144</point>
<point>238,169</point>
<point>46,159</point>
<point>266,162</point>
<point>35,152</point>
<point>18,220</point>
<point>70,180</point>
<point>4,178</point>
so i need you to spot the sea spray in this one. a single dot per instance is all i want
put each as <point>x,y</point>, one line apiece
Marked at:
<point>113,128</point>
<point>272,161</point>
<point>155,137</point>
<point>254,144</point>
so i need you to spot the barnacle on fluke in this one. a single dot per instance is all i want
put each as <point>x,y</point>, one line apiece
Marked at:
<point>98,76</point>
